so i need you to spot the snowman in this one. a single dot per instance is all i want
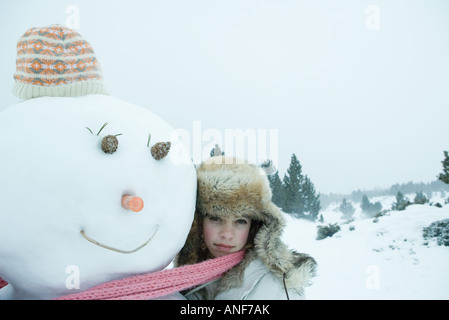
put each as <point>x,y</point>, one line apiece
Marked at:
<point>93,188</point>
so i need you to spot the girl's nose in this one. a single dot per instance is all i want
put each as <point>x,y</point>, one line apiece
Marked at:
<point>132,203</point>
<point>226,231</point>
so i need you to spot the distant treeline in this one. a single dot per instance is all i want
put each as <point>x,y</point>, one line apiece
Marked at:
<point>405,188</point>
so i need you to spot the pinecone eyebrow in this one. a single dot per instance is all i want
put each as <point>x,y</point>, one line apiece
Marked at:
<point>104,125</point>
<point>149,138</point>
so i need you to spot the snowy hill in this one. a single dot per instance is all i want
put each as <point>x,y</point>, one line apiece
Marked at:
<point>387,259</point>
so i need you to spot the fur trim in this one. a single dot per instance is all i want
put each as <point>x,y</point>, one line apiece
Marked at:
<point>302,270</point>
<point>227,186</point>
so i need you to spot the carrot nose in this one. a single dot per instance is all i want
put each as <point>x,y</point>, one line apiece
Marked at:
<point>132,203</point>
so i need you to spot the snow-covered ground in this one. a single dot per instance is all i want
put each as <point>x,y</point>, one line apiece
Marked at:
<point>387,259</point>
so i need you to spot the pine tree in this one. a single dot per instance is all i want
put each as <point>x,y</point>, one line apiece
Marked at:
<point>295,194</point>
<point>401,202</point>
<point>311,201</point>
<point>293,181</point>
<point>420,198</point>
<point>366,204</point>
<point>370,208</point>
<point>347,209</point>
<point>277,189</point>
<point>216,151</point>
<point>445,175</point>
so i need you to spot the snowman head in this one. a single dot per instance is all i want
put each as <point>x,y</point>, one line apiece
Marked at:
<point>92,188</point>
<point>73,215</point>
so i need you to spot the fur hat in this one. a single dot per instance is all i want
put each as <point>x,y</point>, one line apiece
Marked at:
<point>227,186</point>
<point>56,61</point>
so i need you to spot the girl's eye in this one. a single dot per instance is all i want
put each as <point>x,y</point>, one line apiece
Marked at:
<point>216,219</point>
<point>241,221</point>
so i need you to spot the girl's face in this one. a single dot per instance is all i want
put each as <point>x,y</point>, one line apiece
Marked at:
<point>225,235</point>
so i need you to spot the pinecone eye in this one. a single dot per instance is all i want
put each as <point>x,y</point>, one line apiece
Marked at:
<point>160,150</point>
<point>109,144</point>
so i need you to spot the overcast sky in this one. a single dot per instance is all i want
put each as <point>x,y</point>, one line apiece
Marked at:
<point>358,90</point>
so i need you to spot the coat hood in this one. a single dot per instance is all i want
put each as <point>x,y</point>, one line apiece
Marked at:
<point>228,186</point>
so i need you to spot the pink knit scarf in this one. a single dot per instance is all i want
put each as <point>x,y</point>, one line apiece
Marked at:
<point>3,283</point>
<point>161,283</point>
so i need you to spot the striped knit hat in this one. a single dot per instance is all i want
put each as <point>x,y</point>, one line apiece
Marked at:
<point>56,61</point>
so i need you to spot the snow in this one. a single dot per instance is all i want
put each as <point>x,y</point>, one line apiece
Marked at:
<point>387,259</point>
<point>56,181</point>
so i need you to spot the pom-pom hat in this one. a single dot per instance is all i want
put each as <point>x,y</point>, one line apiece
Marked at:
<point>56,61</point>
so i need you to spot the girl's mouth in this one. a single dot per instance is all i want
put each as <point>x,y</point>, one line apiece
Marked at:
<point>224,247</point>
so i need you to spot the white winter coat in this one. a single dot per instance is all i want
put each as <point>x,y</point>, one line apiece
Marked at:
<point>258,284</point>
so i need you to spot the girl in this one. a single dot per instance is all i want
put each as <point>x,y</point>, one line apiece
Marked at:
<point>234,212</point>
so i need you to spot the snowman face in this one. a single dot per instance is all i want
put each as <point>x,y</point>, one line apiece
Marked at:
<point>75,215</point>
